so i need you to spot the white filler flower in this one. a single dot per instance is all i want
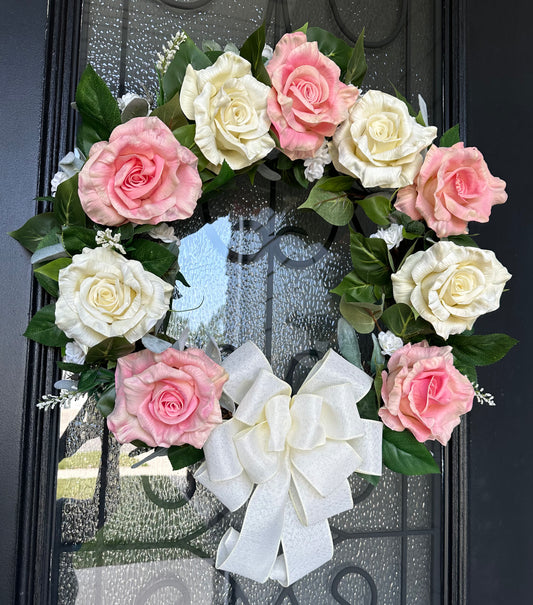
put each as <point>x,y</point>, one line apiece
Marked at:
<point>392,236</point>
<point>389,342</point>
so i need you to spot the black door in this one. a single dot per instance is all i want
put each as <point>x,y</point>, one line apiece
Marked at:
<point>489,484</point>
<point>500,548</point>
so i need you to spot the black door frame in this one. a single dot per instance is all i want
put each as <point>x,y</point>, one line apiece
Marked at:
<point>37,98</point>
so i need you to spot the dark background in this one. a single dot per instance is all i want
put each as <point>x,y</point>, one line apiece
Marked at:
<point>499,92</point>
<point>499,89</point>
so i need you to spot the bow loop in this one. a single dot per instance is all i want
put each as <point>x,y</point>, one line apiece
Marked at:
<point>292,458</point>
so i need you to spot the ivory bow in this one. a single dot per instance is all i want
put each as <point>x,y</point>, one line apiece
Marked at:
<point>297,452</point>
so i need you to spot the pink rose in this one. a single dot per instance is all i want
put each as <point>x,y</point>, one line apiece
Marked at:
<point>424,392</point>
<point>143,175</point>
<point>168,398</point>
<point>307,100</point>
<point>454,186</point>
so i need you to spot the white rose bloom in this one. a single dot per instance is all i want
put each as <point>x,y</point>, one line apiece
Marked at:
<point>380,143</point>
<point>392,236</point>
<point>74,353</point>
<point>228,106</point>
<point>389,342</point>
<point>451,286</point>
<point>102,294</point>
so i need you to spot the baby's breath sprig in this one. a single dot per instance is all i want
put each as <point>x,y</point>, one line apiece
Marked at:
<point>63,400</point>
<point>169,51</point>
<point>106,239</point>
<point>482,396</point>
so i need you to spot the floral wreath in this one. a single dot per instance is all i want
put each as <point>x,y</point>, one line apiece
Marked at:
<point>106,252</point>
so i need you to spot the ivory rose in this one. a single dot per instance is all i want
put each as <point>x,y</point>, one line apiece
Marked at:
<point>454,186</point>
<point>228,106</point>
<point>380,143</point>
<point>424,392</point>
<point>307,99</point>
<point>168,398</point>
<point>450,286</point>
<point>102,294</point>
<point>142,175</point>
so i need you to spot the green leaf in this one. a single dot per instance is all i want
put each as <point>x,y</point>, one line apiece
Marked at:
<point>377,361</point>
<point>334,48</point>
<point>450,137</point>
<point>210,45</point>
<point>75,368</point>
<point>49,240</point>
<point>90,380</point>
<point>252,51</point>
<point>336,183</point>
<point>35,230</point>
<point>298,170</point>
<point>86,137</point>
<point>372,479</point>
<point>420,119</point>
<point>410,108</point>
<point>361,316</point>
<point>303,28</point>
<point>97,106</point>
<point>52,269</point>
<point>370,259</point>
<point>67,205</point>
<point>349,343</point>
<point>109,349</point>
<point>106,402</point>
<point>336,209</point>
<point>154,257</point>
<point>225,175</point>
<point>468,370</point>
<point>463,240</point>
<point>185,135</point>
<point>75,239</point>
<point>170,113</point>
<point>401,319</point>
<point>377,208</point>
<point>138,229</point>
<point>42,328</point>
<point>368,407</point>
<point>415,227</point>
<point>480,350</point>
<point>136,108</point>
<point>402,453</point>
<point>378,383</point>
<point>50,285</point>
<point>357,290</point>
<point>181,456</point>
<point>357,67</point>
<point>188,53</point>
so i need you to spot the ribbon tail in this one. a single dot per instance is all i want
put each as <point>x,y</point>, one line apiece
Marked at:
<point>369,447</point>
<point>305,548</point>
<point>252,552</point>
